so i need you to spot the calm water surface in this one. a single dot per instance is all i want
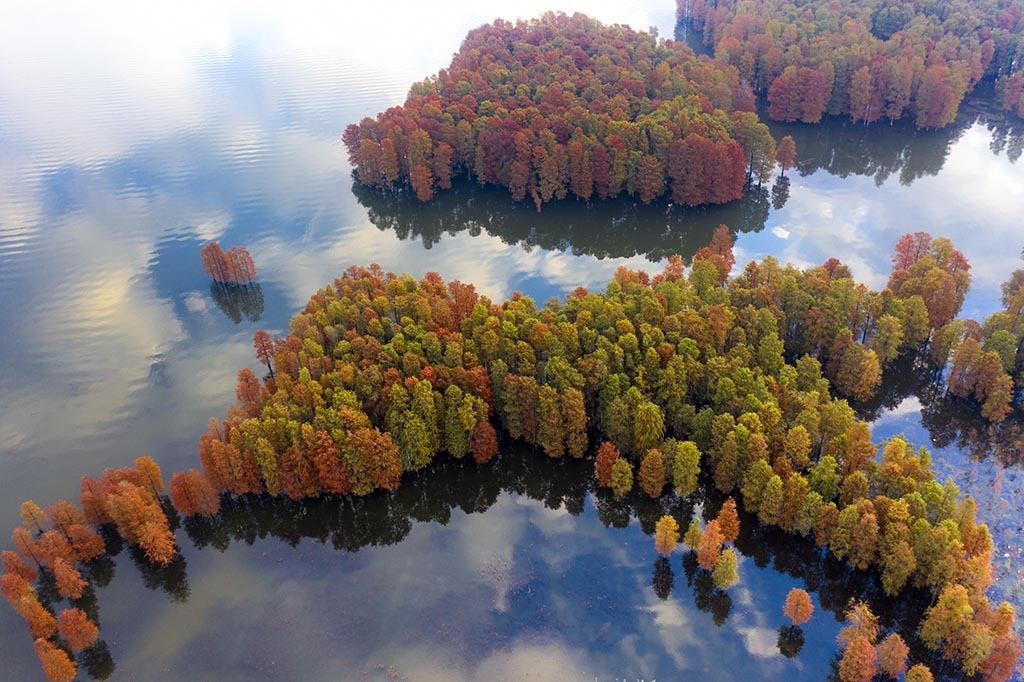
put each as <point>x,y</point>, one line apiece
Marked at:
<point>131,136</point>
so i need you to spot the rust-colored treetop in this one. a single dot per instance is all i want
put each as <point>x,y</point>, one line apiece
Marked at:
<point>868,59</point>
<point>565,106</point>
<point>235,266</point>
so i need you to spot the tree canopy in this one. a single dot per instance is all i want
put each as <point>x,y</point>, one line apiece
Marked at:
<point>565,106</point>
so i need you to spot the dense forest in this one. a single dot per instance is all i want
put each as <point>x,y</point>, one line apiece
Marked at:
<point>868,59</point>
<point>565,106</point>
<point>666,380</point>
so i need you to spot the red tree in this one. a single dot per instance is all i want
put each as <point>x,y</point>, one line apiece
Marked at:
<point>264,349</point>
<point>57,666</point>
<point>798,607</point>
<point>729,521</point>
<point>192,493</point>
<point>14,564</point>
<point>76,629</point>
<point>606,456</point>
<point>69,581</point>
<point>484,442</point>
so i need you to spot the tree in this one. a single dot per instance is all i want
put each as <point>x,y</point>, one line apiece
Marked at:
<point>685,468</point>
<point>550,432</point>
<point>241,268</point>
<point>215,262</point>
<point>140,520</point>
<point>919,673</point>
<point>652,473</point>
<point>621,478</point>
<point>76,629</point>
<point>574,420</point>
<point>666,535</point>
<point>693,535</point>
<point>57,666</point>
<point>484,442</point>
<point>151,474</point>
<point>607,455</point>
<point>192,493</point>
<point>861,623</point>
<point>710,546</point>
<point>650,179</point>
<point>858,661</point>
<point>380,457</point>
<point>14,565</point>
<point>248,392</point>
<point>41,622</point>
<point>26,546</point>
<point>950,625</point>
<point>32,515</point>
<point>798,607</point>
<point>729,521</point>
<point>264,349</point>
<point>69,581</point>
<point>724,575</point>
<point>785,153</point>
<point>892,655</point>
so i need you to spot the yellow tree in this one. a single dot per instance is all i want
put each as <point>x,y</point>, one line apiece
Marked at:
<point>666,535</point>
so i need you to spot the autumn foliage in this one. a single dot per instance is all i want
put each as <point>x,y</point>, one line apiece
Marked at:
<point>798,607</point>
<point>666,535</point>
<point>76,629</point>
<point>57,666</point>
<point>564,106</point>
<point>865,59</point>
<point>691,377</point>
<point>192,493</point>
<point>232,267</point>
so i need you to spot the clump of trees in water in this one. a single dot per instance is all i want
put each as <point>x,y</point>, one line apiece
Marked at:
<point>235,266</point>
<point>869,59</point>
<point>985,360</point>
<point>565,106</point>
<point>686,374</point>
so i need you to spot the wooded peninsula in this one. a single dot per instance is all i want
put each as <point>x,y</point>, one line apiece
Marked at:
<point>679,381</point>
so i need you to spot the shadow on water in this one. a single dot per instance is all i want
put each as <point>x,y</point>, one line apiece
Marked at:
<point>616,228</point>
<point>431,496</point>
<point>236,300</point>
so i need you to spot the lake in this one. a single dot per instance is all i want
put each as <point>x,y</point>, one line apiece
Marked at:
<point>130,136</point>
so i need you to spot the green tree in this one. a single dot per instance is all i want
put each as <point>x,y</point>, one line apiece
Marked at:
<point>622,478</point>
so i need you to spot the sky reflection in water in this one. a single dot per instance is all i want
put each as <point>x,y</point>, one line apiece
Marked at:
<point>130,135</point>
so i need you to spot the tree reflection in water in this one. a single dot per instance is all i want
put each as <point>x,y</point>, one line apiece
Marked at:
<point>950,421</point>
<point>379,519</point>
<point>236,300</point>
<point>603,229</point>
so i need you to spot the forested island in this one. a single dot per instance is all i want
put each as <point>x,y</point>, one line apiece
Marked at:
<point>867,59</point>
<point>564,106</point>
<point>685,381</point>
